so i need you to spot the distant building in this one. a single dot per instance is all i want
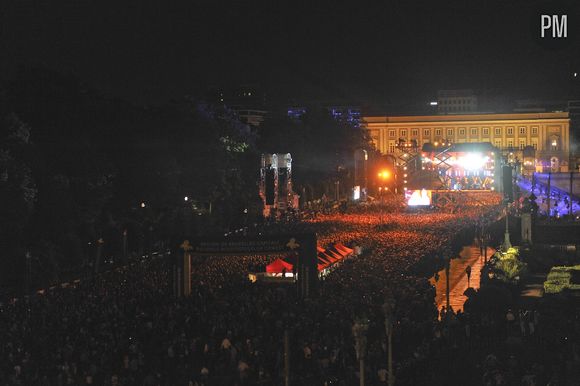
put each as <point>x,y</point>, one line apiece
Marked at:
<point>456,102</point>
<point>547,133</point>
<point>296,112</point>
<point>539,106</point>
<point>247,101</point>
<point>350,114</point>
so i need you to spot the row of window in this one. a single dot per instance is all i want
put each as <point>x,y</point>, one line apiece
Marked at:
<point>456,108</point>
<point>497,143</point>
<point>462,130</point>
<point>456,101</point>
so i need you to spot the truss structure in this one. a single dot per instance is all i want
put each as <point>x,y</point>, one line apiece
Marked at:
<point>408,159</point>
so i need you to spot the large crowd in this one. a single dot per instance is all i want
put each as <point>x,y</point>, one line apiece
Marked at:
<point>125,327</point>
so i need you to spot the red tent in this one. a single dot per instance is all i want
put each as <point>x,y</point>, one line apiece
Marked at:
<point>336,256</point>
<point>343,249</point>
<point>324,256</point>
<point>279,266</point>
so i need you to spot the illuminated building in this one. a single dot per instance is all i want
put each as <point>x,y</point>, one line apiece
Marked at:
<point>547,133</point>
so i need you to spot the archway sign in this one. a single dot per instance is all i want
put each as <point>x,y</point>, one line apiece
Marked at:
<point>302,244</point>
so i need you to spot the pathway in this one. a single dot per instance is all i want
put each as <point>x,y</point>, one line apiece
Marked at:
<point>469,256</point>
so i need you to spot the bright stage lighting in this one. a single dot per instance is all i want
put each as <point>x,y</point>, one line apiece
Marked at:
<point>418,197</point>
<point>472,161</point>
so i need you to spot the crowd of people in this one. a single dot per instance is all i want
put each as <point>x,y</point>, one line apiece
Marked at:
<point>125,327</point>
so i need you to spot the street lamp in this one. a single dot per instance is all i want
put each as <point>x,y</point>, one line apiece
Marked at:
<point>359,331</point>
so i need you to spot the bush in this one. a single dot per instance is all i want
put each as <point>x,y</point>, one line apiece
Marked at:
<point>507,267</point>
<point>561,278</point>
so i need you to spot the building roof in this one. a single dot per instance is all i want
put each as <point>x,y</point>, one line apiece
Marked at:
<point>463,117</point>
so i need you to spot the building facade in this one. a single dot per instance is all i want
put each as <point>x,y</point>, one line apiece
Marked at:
<point>548,134</point>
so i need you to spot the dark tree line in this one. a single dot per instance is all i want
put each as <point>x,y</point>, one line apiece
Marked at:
<point>85,176</point>
<point>76,169</point>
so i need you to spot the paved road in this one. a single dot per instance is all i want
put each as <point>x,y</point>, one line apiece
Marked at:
<point>458,278</point>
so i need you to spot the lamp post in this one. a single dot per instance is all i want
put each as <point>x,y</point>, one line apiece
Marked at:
<point>28,272</point>
<point>286,357</point>
<point>100,243</point>
<point>125,245</point>
<point>486,239</point>
<point>506,242</point>
<point>447,267</point>
<point>359,331</point>
<point>388,308</point>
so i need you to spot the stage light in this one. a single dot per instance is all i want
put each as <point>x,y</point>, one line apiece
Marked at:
<point>472,161</point>
<point>384,174</point>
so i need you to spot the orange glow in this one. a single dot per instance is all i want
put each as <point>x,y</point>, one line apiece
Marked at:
<point>384,174</point>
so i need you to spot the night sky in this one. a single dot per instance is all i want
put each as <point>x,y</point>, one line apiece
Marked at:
<point>389,51</point>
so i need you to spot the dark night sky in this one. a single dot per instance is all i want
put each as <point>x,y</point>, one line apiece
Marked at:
<point>391,50</point>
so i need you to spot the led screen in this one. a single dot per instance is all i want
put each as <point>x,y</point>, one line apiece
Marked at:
<point>418,197</point>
